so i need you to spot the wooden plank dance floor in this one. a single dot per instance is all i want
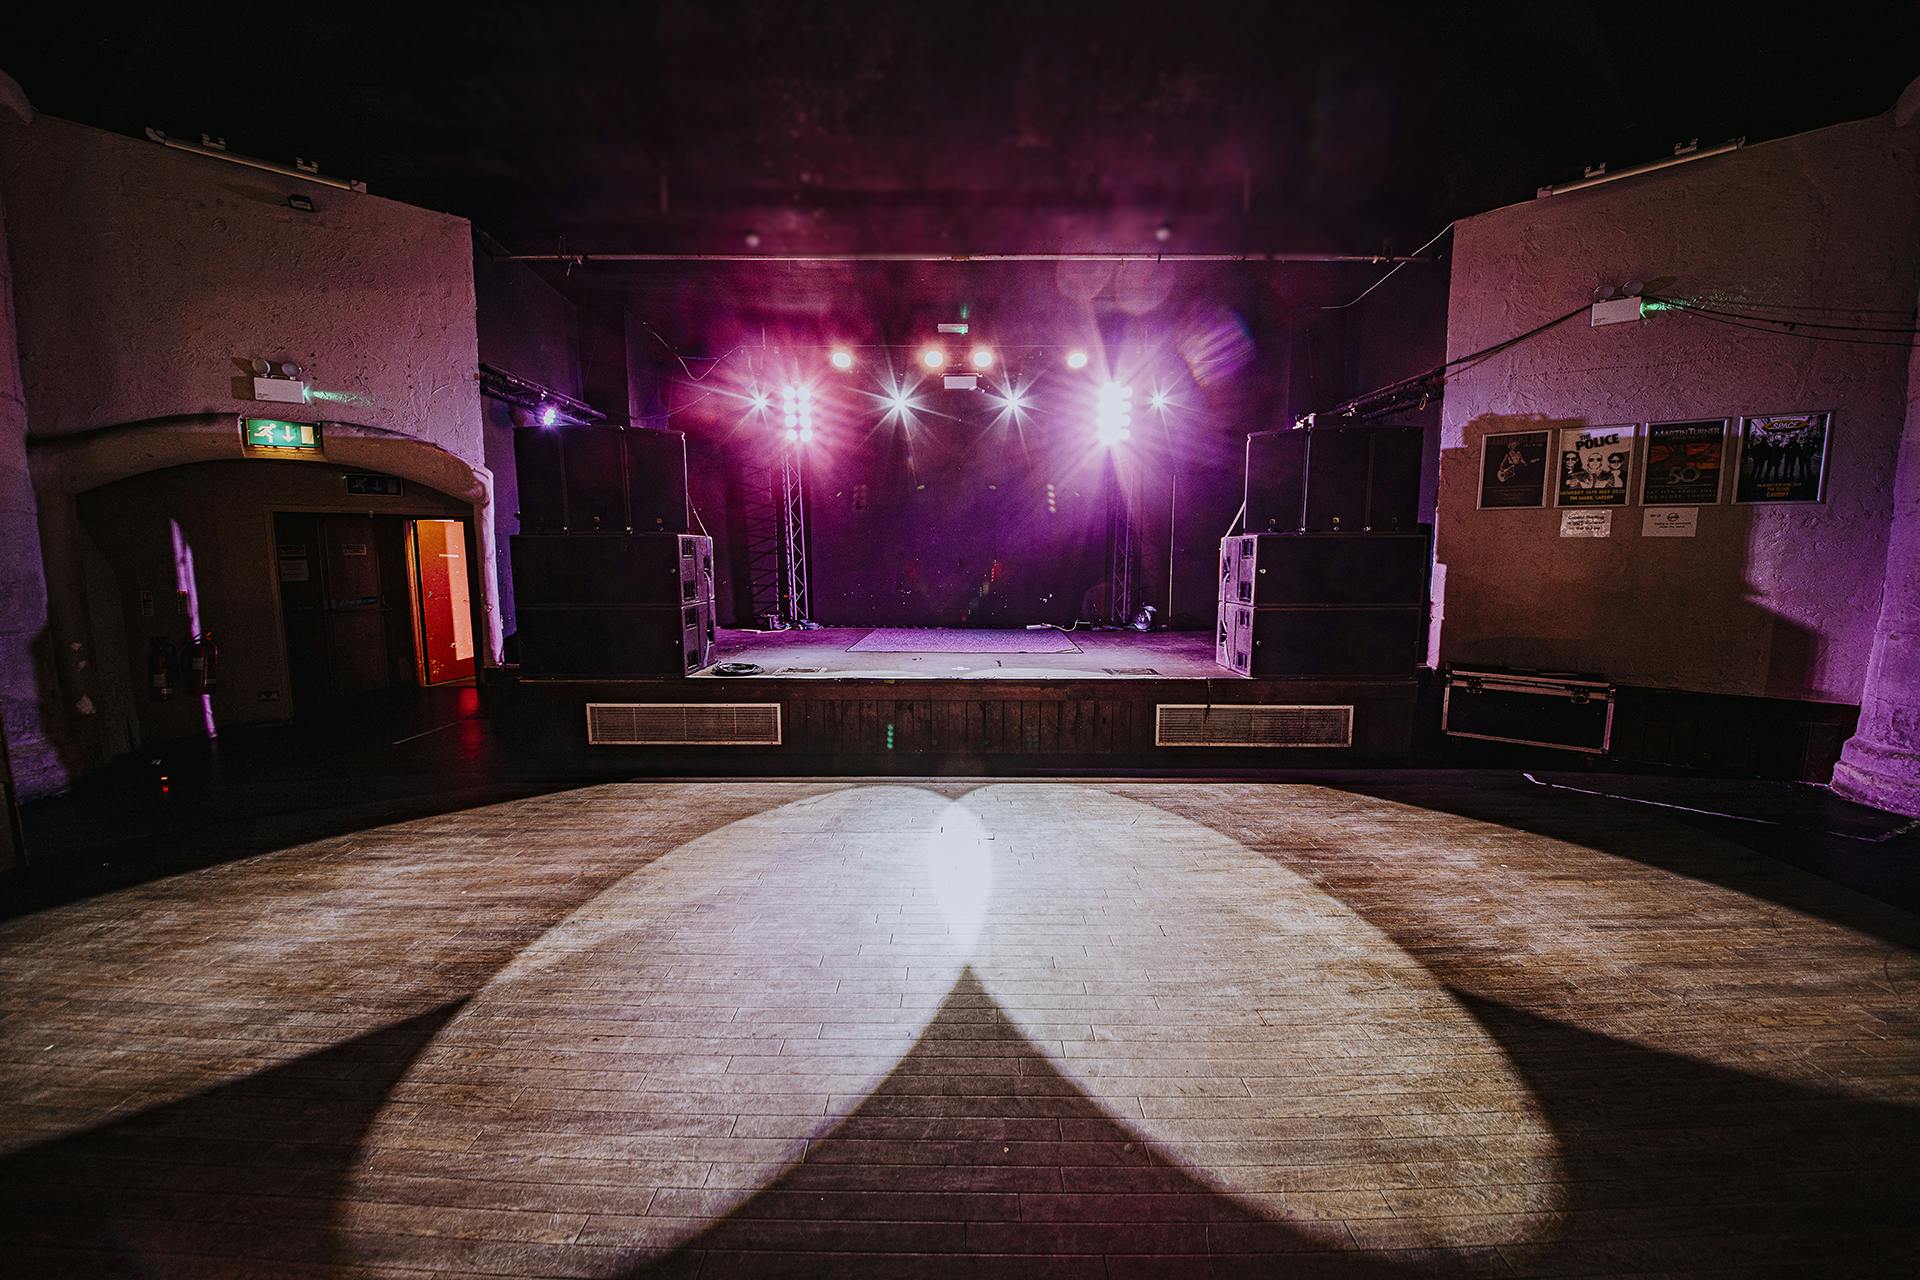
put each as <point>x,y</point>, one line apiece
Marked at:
<point>970,1028</point>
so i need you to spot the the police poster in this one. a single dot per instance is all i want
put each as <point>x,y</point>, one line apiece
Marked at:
<point>1594,466</point>
<point>1513,469</point>
<point>1783,458</point>
<point>1683,463</point>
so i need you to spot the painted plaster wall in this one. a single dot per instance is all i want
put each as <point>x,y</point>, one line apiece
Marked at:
<point>1767,600</point>
<point>146,278</point>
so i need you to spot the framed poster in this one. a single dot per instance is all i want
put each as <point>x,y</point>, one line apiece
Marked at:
<point>1513,470</point>
<point>1683,463</point>
<point>1783,458</point>
<point>1595,466</point>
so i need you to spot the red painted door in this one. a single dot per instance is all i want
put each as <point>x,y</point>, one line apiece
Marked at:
<point>445,602</point>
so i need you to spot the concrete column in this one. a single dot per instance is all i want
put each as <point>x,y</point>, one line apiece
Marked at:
<point>26,662</point>
<point>1880,765</point>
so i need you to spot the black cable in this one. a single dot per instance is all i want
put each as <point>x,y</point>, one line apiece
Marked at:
<point>1682,304</point>
<point>1718,318</point>
<point>1440,370</point>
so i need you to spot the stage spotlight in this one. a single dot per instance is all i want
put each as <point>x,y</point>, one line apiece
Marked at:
<point>1076,359</point>
<point>1158,399</point>
<point>1014,400</point>
<point>806,435</point>
<point>792,435</point>
<point>760,401</point>
<point>1113,413</point>
<point>982,358</point>
<point>549,414</point>
<point>933,357</point>
<point>842,359</point>
<point>900,399</point>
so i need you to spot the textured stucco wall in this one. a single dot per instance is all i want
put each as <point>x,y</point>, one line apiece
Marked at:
<point>146,278</point>
<point>1768,600</point>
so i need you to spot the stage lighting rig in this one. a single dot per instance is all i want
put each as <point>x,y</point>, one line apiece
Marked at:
<point>841,359</point>
<point>1076,359</point>
<point>1113,414</point>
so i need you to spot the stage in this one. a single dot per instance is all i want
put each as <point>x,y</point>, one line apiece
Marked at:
<point>956,701</point>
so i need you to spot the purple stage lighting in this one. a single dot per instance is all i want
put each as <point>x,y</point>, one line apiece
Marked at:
<point>982,358</point>
<point>933,357</point>
<point>1076,359</point>
<point>549,414</point>
<point>1158,399</point>
<point>760,401</point>
<point>842,359</point>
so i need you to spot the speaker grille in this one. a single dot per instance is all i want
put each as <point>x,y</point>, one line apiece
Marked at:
<point>1251,725</point>
<point>683,724</point>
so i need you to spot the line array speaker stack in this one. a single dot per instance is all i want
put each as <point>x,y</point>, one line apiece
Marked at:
<point>1331,578</point>
<point>601,480</point>
<point>607,580</point>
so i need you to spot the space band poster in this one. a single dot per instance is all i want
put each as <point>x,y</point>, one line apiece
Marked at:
<point>1783,458</point>
<point>1595,464</point>
<point>1513,470</point>
<point>1683,464</point>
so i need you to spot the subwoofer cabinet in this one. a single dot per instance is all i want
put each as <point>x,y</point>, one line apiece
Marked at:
<point>1333,479</point>
<point>616,640</point>
<point>1321,640</point>
<point>1325,568</point>
<point>611,568</point>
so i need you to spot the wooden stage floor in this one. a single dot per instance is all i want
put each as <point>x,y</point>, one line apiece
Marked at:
<point>825,655</point>
<point>971,1028</point>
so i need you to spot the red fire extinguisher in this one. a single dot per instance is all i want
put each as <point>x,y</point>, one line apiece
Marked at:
<point>202,655</point>
<point>160,666</point>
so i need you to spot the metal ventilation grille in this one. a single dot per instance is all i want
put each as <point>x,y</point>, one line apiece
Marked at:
<point>683,724</point>
<point>1251,725</point>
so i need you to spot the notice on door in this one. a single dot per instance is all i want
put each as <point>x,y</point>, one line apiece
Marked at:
<point>1671,522</point>
<point>294,571</point>
<point>1586,524</point>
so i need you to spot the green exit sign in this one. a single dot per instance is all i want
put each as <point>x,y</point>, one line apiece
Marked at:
<point>278,436</point>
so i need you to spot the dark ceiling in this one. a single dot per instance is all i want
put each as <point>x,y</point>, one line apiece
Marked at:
<point>994,125</point>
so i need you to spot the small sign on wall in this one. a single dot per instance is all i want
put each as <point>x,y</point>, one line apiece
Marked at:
<point>1586,524</point>
<point>1670,522</point>
<point>372,484</point>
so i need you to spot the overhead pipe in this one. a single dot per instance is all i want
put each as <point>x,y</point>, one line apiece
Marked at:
<point>221,153</point>
<point>581,259</point>
<point>1681,155</point>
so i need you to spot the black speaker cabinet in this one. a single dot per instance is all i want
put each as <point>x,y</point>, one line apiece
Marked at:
<point>596,468</point>
<point>1333,480</point>
<point>611,568</point>
<point>542,480</point>
<point>1325,568</point>
<point>657,481</point>
<point>1321,640</point>
<point>616,640</point>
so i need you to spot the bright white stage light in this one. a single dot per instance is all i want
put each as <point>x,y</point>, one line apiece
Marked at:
<point>933,357</point>
<point>760,401</point>
<point>982,358</point>
<point>900,399</point>
<point>792,435</point>
<point>842,359</point>
<point>1158,399</point>
<point>1076,359</point>
<point>549,415</point>
<point>806,435</point>
<point>1113,414</point>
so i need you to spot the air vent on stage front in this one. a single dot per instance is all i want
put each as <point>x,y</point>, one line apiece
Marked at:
<point>1251,725</point>
<point>683,724</point>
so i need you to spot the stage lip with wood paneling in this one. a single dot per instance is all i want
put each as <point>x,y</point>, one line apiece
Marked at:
<point>833,717</point>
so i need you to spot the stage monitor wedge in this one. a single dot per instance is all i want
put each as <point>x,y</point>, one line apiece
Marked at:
<point>1333,480</point>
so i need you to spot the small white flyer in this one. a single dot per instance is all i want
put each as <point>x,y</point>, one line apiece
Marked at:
<point>1671,522</point>
<point>1587,523</point>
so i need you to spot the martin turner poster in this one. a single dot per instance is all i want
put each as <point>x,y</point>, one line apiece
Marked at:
<point>1594,466</point>
<point>1513,469</point>
<point>1783,458</point>
<point>1683,463</point>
